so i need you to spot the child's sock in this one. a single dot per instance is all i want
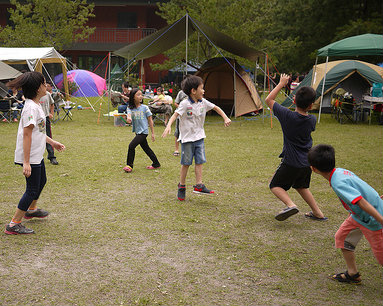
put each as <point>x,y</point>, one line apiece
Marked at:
<point>13,222</point>
<point>32,210</point>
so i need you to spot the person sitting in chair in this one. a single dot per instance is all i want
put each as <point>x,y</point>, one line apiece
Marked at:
<point>162,104</point>
<point>125,97</point>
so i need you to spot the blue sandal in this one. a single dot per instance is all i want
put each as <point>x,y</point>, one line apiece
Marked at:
<point>310,215</point>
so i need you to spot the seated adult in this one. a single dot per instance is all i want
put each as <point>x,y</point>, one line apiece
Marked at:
<point>125,97</point>
<point>17,101</point>
<point>162,104</point>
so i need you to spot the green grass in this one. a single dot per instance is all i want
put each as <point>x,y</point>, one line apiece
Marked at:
<point>124,239</point>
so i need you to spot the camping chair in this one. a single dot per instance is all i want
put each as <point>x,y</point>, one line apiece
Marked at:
<point>336,96</point>
<point>159,111</point>
<point>346,109</point>
<point>5,110</point>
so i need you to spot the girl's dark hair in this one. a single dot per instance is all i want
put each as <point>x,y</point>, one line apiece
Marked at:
<point>190,82</point>
<point>132,93</point>
<point>29,82</point>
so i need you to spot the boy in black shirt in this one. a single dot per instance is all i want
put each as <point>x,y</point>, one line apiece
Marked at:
<point>294,170</point>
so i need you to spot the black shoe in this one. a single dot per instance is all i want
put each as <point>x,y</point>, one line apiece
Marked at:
<point>286,213</point>
<point>201,188</point>
<point>54,161</point>
<point>17,230</point>
<point>39,213</point>
<point>181,194</point>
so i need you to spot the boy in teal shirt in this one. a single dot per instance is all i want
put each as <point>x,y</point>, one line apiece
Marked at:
<point>365,207</point>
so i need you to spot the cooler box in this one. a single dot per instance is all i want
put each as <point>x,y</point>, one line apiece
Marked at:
<point>119,119</point>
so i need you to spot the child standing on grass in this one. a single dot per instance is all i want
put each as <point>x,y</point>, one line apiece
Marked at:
<point>294,170</point>
<point>30,147</point>
<point>361,201</point>
<point>192,113</point>
<point>141,118</point>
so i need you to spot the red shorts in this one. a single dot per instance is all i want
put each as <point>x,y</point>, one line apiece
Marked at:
<point>350,232</point>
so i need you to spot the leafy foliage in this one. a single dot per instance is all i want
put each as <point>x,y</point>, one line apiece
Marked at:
<point>290,31</point>
<point>41,23</point>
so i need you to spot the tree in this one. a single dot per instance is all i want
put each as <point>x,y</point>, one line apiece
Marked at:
<point>290,31</point>
<point>41,23</point>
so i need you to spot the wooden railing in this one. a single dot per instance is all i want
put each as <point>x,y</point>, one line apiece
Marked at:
<point>114,35</point>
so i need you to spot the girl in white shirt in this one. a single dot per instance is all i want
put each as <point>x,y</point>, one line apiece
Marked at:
<point>30,147</point>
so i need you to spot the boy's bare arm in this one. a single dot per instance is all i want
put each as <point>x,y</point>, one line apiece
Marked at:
<point>169,125</point>
<point>270,99</point>
<point>368,208</point>
<point>226,119</point>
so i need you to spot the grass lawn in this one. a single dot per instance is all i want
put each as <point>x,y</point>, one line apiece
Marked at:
<point>124,239</point>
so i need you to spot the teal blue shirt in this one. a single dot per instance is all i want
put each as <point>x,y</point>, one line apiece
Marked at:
<point>140,119</point>
<point>350,189</point>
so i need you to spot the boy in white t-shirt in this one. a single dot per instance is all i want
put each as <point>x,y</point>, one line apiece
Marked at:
<point>192,113</point>
<point>30,147</point>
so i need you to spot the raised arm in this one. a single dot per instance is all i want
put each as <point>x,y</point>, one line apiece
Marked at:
<point>270,99</point>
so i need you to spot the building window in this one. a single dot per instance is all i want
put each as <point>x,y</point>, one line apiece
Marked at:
<point>127,20</point>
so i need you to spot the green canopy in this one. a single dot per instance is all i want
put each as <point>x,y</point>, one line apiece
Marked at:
<point>366,44</point>
<point>175,33</point>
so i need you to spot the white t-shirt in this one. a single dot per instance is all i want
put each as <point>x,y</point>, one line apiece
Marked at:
<point>192,118</point>
<point>32,114</point>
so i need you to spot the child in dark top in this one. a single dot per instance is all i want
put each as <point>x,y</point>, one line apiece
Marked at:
<point>294,170</point>
<point>364,205</point>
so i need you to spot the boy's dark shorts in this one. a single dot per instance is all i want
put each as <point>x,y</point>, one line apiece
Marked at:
<point>288,176</point>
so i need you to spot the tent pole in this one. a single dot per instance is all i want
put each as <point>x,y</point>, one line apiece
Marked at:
<point>264,89</point>
<point>186,43</point>
<point>235,92</point>
<point>321,96</point>
<point>314,72</point>
<point>110,61</point>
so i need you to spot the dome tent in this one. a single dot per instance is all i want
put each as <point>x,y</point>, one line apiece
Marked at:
<point>222,90</point>
<point>355,77</point>
<point>89,84</point>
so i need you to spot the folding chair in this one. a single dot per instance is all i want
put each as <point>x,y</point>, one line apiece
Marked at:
<point>5,110</point>
<point>67,111</point>
<point>158,113</point>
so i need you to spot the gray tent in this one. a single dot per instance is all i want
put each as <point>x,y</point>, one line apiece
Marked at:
<point>7,72</point>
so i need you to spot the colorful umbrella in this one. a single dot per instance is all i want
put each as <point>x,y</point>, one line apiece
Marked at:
<point>89,84</point>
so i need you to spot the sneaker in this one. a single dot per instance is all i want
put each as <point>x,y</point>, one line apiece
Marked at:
<point>181,194</point>
<point>54,161</point>
<point>18,229</point>
<point>152,168</point>
<point>127,169</point>
<point>201,188</point>
<point>39,213</point>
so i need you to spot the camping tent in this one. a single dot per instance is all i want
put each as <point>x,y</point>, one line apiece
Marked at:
<point>366,44</point>
<point>35,58</point>
<point>228,89</point>
<point>116,78</point>
<point>7,72</point>
<point>89,84</point>
<point>355,77</point>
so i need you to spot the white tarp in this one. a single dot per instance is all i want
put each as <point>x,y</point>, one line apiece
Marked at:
<point>30,55</point>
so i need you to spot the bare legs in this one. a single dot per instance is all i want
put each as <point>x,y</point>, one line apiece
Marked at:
<point>305,193</point>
